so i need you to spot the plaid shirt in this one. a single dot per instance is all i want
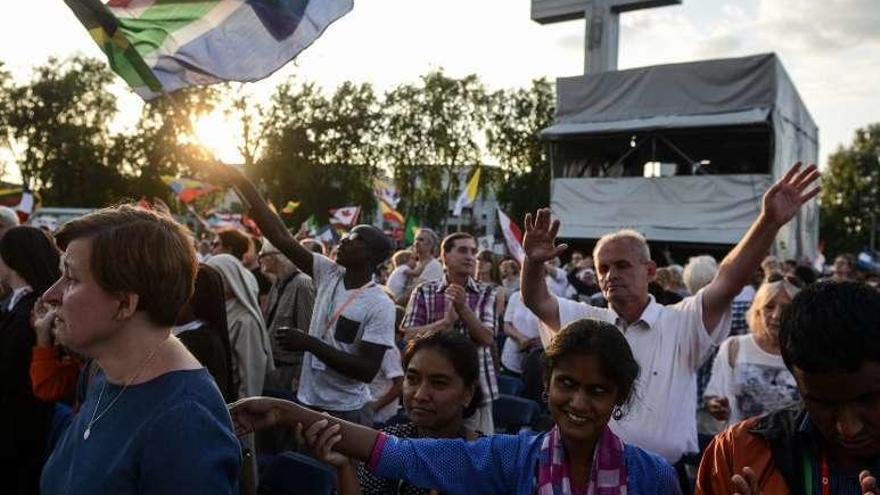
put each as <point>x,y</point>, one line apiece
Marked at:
<point>428,304</point>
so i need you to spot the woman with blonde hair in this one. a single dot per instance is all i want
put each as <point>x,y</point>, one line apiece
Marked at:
<point>748,375</point>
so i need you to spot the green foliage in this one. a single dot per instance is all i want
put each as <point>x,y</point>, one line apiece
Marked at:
<point>515,119</point>
<point>61,118</point>
<point>320,151</point>
<point>850,198</point>
<point>431,131</point>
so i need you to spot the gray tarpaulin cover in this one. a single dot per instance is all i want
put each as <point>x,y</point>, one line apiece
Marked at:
<point>713,209</point>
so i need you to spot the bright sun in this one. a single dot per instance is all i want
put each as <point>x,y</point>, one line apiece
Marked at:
<point>219,136</point>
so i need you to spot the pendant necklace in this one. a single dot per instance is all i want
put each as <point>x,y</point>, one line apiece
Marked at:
<point>131,380</point>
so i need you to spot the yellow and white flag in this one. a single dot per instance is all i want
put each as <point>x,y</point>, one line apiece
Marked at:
<point>468,194</point>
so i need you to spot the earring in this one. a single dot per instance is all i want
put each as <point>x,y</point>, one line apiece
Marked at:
<point>617,413</point>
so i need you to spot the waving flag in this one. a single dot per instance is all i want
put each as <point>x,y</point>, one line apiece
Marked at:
<point>468,194</point>
<point>512,236</point>
<point>345,216</point>
<point>387,192</point>
<point>390,214</point>
<point>187,190</point>
<point>160,46</point>
<point>290,207</point>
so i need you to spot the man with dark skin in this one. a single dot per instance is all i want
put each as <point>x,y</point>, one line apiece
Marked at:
<point>352,325</point>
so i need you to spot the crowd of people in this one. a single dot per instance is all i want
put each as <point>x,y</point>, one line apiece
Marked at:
<point>134,359</point>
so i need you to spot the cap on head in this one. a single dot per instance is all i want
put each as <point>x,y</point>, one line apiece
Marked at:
<point>380,245</point>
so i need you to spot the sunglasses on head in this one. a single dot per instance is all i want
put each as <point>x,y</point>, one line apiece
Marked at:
<point>778,277</point>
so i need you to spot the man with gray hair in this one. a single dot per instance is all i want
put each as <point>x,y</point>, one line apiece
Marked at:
<point>669,342</point>
<point>8,219</point>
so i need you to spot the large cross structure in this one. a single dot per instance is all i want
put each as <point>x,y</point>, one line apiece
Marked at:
<point>603,24</point>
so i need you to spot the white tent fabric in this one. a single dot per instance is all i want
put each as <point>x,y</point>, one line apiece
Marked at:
<point>712,93</point>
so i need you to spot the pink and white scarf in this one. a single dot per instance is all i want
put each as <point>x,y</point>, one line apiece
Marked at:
<point>607,475</point>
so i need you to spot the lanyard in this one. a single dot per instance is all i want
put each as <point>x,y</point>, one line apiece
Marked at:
<point>336,314</point>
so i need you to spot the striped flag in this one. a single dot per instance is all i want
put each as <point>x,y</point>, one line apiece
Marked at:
<point>160,46</point>
<point>512,236</point>
<point>187,190</point>
<point>390,214</point>
<point>468,194</point>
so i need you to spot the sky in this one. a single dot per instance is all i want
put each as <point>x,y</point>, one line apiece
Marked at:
<point>828,47</point>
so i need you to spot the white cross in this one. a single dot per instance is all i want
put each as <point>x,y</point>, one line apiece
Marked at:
<point>603,24</point>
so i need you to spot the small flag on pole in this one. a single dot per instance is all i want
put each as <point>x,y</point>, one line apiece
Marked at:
<point>468,194</point>
<point>160,46</point>
<point>409,232</point>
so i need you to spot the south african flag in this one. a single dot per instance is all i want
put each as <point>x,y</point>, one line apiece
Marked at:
<point>160,46</point>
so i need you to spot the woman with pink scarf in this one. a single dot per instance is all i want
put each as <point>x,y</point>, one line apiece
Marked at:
<point>590,373</point>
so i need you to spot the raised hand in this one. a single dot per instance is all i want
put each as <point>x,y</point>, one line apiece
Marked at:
<point>868,483</point>
<point>745,484</point>
<point>321,437</point>
<point>539,242</point>
<point>254,413</point>
<point>783,200</point>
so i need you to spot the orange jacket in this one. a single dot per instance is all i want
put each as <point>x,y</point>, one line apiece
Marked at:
<point>53,378</point>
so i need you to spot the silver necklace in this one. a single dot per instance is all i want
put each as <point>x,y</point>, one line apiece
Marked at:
<point>131,380</point>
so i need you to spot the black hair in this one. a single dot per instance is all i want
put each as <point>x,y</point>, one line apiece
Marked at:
<point>805,273</point>
<point>235,241</point>
<point>831,326</point>
<point>32,253</point>
<point>461,352</point>
<point>604,341</point>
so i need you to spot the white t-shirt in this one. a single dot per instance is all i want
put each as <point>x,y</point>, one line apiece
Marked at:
<point>669,343</point>
<point>526,323</point>
<point>757,383</point>
<point>558,282</point>
<point>397,280</point>
<point>391,369</point>
<point>368,318</point>
<point>433,271</point>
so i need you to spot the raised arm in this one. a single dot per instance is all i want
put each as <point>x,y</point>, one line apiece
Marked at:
<point>539,245</point>
<point>270,224</point>
<point>779,205</point>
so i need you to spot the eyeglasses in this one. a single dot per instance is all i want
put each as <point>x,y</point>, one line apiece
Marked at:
<point>778,277</point>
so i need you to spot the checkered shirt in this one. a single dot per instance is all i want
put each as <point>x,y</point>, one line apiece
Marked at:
<point>428,305</point>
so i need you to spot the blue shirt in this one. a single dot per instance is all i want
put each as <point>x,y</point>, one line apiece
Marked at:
<point>501,464</point>
<point>169,435</point>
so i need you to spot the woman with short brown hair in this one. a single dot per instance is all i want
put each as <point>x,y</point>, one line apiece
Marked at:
<point>153,420</point>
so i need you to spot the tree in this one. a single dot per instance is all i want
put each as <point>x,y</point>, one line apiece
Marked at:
<point>850,199</point>
<point>5,88</point>
<point>164,143</point>
<point>431,132</point>
<point>321,151</point>
<point>512,135</point>
<point>61,118</point>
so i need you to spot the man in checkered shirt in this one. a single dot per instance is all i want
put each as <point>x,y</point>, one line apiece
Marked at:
<point>459,303</point>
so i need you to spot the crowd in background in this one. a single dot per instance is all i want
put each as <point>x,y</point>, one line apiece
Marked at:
<point>101,338</point>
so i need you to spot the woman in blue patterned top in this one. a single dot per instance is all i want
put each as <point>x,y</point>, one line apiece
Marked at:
<point>590,373</point>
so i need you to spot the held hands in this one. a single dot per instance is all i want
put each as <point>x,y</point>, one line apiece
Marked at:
<point>320,438</point>
<point>254,413</point>
<point>540,237</point>
<point>783,200</point>
<point>719,408</point>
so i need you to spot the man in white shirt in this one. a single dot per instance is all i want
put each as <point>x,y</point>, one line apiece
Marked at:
<point>669,342</point>
<point>353,319</point>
